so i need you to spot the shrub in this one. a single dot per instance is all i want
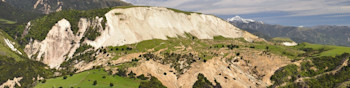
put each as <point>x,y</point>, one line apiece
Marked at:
<point>111,84</point>
<point>95,83</point>
<point>64,77</point>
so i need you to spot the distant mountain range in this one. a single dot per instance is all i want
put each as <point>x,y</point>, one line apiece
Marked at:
<point>19,11</point>
<point>329,35</point>
<point>48,6</point>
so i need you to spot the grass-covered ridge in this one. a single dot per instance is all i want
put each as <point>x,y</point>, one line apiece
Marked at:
<point>328,50</point>
<point>172,9</point>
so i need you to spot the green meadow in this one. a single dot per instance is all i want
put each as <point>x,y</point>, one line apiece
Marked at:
<point>86,80</point>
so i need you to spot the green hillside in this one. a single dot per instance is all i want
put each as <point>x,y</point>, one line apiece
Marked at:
<point>13,65</point>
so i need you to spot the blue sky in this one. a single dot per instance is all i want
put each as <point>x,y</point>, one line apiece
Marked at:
<point>284,12</point>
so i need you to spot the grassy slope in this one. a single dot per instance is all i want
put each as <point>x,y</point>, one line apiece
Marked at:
<point>330,49</point>
<point>324,58</point>
<point>4,21</point>
<point>15,65</point>
<point>85,80</point>
<point>5,50</point>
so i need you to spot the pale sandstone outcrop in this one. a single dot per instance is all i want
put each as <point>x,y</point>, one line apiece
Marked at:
<point>289,43</point>
<point>132,25</point>
<point>59,44</point>
<point>12,83</point>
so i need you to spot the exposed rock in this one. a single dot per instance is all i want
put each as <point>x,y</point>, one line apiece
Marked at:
<point>58,45</point>
<point>132,25</point>
<point>127,26</point>
<point>26,30</point>
<point>227,73</point>
<point>12,83</point>
<point>289,43</point>
<point>10,45</point>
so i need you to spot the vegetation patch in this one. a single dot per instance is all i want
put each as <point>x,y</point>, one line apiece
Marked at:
<point>96,78</point>
<point>153,83</point>
<point>28,69</point>
<point>313,71</point>
<point>203,82</point>
<point>4,21</point>
<point>185,12</point>
<point>329,50</point>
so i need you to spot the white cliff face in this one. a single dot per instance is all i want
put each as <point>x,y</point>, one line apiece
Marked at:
<point>128,26</point>
<point>58,43</point>
<point>132,25</point>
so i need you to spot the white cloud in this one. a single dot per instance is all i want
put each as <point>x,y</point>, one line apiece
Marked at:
<point>230,7</point>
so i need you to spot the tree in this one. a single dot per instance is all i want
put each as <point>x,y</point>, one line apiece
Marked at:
<point>111,84</point>
<point>43,81</point>
<point>202,82</point>
<point>142,77</point>
<point>131,74</point>
<point>121,73</point>
<point>95,83</point>
<point>64,77</point>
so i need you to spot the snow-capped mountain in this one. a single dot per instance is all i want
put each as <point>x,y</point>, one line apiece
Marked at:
<point>242,20</point>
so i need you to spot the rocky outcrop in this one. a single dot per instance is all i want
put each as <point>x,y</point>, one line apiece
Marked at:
<point>58,45</point>
<point>12,83</point>
<point>289,43</point>
<point>10,45</point>
<point>132,25</point>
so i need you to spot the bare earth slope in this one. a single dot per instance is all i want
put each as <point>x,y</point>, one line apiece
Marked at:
<point>127,26</point>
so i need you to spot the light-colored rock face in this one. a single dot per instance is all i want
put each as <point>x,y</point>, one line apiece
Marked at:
<point>12,83</point>
<point>289,43</point>
<point>59,42</point>
<point>55,46</point>
<point>10,45</point>
<point>128,26</point>
<point>132,25</point>
<point>26,30</point>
